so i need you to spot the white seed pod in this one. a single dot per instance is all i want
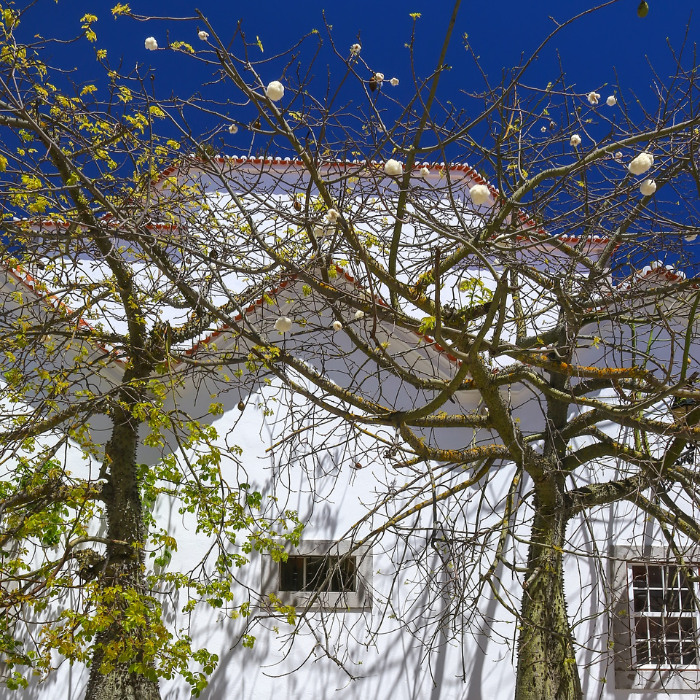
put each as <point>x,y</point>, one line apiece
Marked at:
<point>618,156</point>
<point>359,315</point>
<point>379,77</point>
<point>425,172</point>
<point>648,187</point>
<point>575,140</point>
<point>337,326</point>
<point>479,194</point>
<point>593,98</point>
<point>203,35</point>
<point>690,239</point>
<point>283,324</point>
<point>233,128</point>
<point>611,101</point>
<point>275,91</point>
<point>332,215</point>
<point>355,49</point>
<point>394,82</point>
<point>641,163</point>
<point>393,168</point>
<point>151,44</point>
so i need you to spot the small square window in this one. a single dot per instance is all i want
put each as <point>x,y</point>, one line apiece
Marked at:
<point>321,574</point>
<point>665,632</point>
<point>656,622</point>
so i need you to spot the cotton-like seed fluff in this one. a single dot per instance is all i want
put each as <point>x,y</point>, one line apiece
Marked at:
<point>275,91</point>
<point>479,194</point>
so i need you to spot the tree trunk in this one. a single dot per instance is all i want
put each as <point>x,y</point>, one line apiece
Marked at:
<point>122,573</point>
<point>547,667</point>
<point>120,683</point>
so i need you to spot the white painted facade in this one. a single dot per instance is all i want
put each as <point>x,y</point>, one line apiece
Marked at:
<point>392,664</point>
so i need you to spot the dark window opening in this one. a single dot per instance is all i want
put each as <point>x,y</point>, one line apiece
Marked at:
<point>311,573</point>
<point>665,616</point>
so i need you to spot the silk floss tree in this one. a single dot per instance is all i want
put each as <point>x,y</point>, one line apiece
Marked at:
<point>90,340</point>
<point>489,337</point>
<point>535,289</point>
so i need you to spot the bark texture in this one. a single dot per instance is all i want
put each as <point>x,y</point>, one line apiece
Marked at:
<point>120,684</point>
<point>124,563</point>
<point>547,667</point>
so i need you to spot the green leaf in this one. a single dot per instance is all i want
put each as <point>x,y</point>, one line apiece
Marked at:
<point>427,324</point>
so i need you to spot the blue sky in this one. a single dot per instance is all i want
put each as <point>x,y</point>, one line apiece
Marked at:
<point>613,39</point>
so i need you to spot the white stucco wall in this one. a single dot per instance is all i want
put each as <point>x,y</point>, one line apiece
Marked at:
<point>394,664</point>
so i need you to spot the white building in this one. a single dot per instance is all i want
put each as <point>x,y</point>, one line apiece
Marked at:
<point>393,631</point>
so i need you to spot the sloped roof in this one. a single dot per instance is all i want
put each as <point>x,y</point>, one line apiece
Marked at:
<point>272,293</point>
<point>463,173</point>
<point>656,272</point>
<point>23,278</point>
<point>459,172</point>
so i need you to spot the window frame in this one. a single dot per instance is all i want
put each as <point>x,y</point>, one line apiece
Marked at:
<point>358,600</point>
<point>629,675</point>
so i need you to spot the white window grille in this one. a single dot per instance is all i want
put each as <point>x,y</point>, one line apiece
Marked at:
<point>655,623</point>
<point>665,616</point>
